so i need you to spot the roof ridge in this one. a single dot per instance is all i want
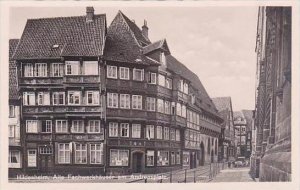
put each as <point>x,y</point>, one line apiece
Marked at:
<point>56,17</point>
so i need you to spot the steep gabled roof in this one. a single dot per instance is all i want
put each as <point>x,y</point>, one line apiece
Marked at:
<point>248,114</point>
<point>222,103</point>
<point>74,36</point>
<point>161,44</point>
<point>13,83</point>
<point>124,42</point>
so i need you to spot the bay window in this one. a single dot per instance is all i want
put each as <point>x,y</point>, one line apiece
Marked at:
<point>93,126</point>
<point>162,158</point>
<point>92,97</point>
<point>125,101</point>
<point>72,67</point>
<point>57,69</point>
<point>150,157</point>
<point>58,98</point>
<point>90,67</point>
<point>113,129</point>
<point>112,100</point>
<point>138,74</point>
<point>96,153</point>
<point>136,131</point>
<point>80,153</point>
<point>61,126</point>
<point>124,130</point>
<point>150,104</point>
<point>41,69</point>
<point>112,72</point>
<point>137,102</point>
<point>119,157</point>
<point>43,98</point>
<point>64,151</point>
<point>160,106</point>
<point>28,98</point>
<point>77,126</point>
<point>124,73</point>
<point>74,97</point>
<point>150,132</point>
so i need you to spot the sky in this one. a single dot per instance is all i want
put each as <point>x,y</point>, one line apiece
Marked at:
<point>216,43</point>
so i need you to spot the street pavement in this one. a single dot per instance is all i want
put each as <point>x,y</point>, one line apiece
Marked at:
<point>234,175</point>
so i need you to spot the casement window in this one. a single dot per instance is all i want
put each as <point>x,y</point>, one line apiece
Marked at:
<point>150,157</point>
<point>125,101</point>
<point>150,132</point>
<point>173,108</point>
<point>163,58</point>
<point>14,132</point>
<point>113,129</point>
<point>177,135</point>
<point>119,157</point>
<point>178,109</point>
<point>31,126</point>
<point>72,67</point>
<point>136,131</point>
<point>14,159</point>
<point>152,78</point>
<point>96,153</point>
<point>57,69</point>
<point>173,158</point>
<point>112,72</point>
<point>12,111</point>
<point>166,133</point>
<point>137,102</point>
<point>74,97</point>
<point>80,153</point>
<point>151,104</point>
<point>28,69</point>
<point>64,153</point>
<point>180,85</point>
<point>167,107</point>
<point>58,98</point>
<point>77,126</point>
<point>186,88</point>
<point>169,83</point>
<point>124,73</point>
<point>43,98</point>
<point>28,98</point>
<point>161,80</point>
<point>160,106</point>
<point>92,97</point>
<point>178,160</point>
<point>186,158</point>
<point>138,74</point>
<point>159,132</point>
<point>46,126</point>
<point>61,126</point>
<point>90,67</point>
<point>40,69</point>
<point>112,100</point>
<point>45,150</point>
<point>162,158</point>
<point>93,126</point>
<point>183,111</point>
<point>124,130</point>
<point>172,134</point>
<point>31,158</point>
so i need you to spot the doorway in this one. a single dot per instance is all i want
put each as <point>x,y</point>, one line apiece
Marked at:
<point>45,163</point>
<point>137,158</point>
<point>202,154</point>
<point>212,156</point>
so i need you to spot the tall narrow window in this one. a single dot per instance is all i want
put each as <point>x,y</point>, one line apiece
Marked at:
<point>90,67</point>
<point>28,70</point>
<point>28,98</point>
<point>178,109</point>
<point>58,98</point>
<point>136,131</point>
<point>159,132</point>
<point>150,132</point>
<point>125,101</point>
<point>166,133</point>
<point>151,103</point>
<point>112,72</point>
<point>124,130</point>
<point>186,88</point>
<point>183,111</point>
<point>92,97</point>
<point>113,129</point>
<point>172,134</point>
<point>124,73</point>
<point>150,157</point>
<point>169,83</point>
<point>177,135</point>
<point>64,153</point>
<point>80,153</point>
<point>163,58</point>
<point>43,98</point>
<point>11,111</point>
<point>41,69</point>
<point>137,102</point>
<point>31,158</point>
<point>173,159</point>
<point>138,74</point>
<point>161,80</point>
<point>72,67</point>
<point>74,97</point>
<point>167,107</point>
<point>112,100</point>
<point>152,78</point>
<point>57,69</point>
<point>96,153</point>
<point>160,106</point>
<point>180,85</point>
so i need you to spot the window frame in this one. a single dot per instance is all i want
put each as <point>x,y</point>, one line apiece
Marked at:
<point>152,78</point>
<point>115,127</point>
<point>94,126</point>
<point>37,70</point>
<point>72,64</point>
<point>151,135</point>
<point>78,125</point>
<point>125,71</point>
<point>124,126</point>
<point>135,126</point>
<point>119,157</point>
<point>65,152</point>
<point>151,104</point>
<point>114,74</point>
<point>95,100</point>
<point>12,111</point>
<point>58,98</point>
<point>36,126</point>
<point>35,154</point>
<point>152,155</point>
<point>114,100</point>
<point>75,94</point>
<point>138,101</point>
<point>135,74</point>
<point>95,150</point>
<point>86,63</point>
<point>61,121</point>
<point>125,102</point>
<point>82,153</point>
<point>60,68</point>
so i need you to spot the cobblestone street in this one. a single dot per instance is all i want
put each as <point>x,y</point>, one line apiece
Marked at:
<point>234,175</point>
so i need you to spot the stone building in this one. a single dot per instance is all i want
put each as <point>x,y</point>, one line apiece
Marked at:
<point>227,146</point>
<point>107,100</point>
<point>273,96</point>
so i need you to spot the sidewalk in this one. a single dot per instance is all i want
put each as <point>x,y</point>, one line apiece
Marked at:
<point>234,175</point>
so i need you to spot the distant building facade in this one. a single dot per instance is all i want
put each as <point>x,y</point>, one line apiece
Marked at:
<point>227,144</point>
<point>109,101</point>
<point>273,97</point>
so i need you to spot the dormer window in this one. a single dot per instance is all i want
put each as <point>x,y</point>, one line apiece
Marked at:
<point>55,46</point>
<point>162,58</point>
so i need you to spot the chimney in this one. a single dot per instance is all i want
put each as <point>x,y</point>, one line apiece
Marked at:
<point>89,14</point>
<point>145,29</point>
